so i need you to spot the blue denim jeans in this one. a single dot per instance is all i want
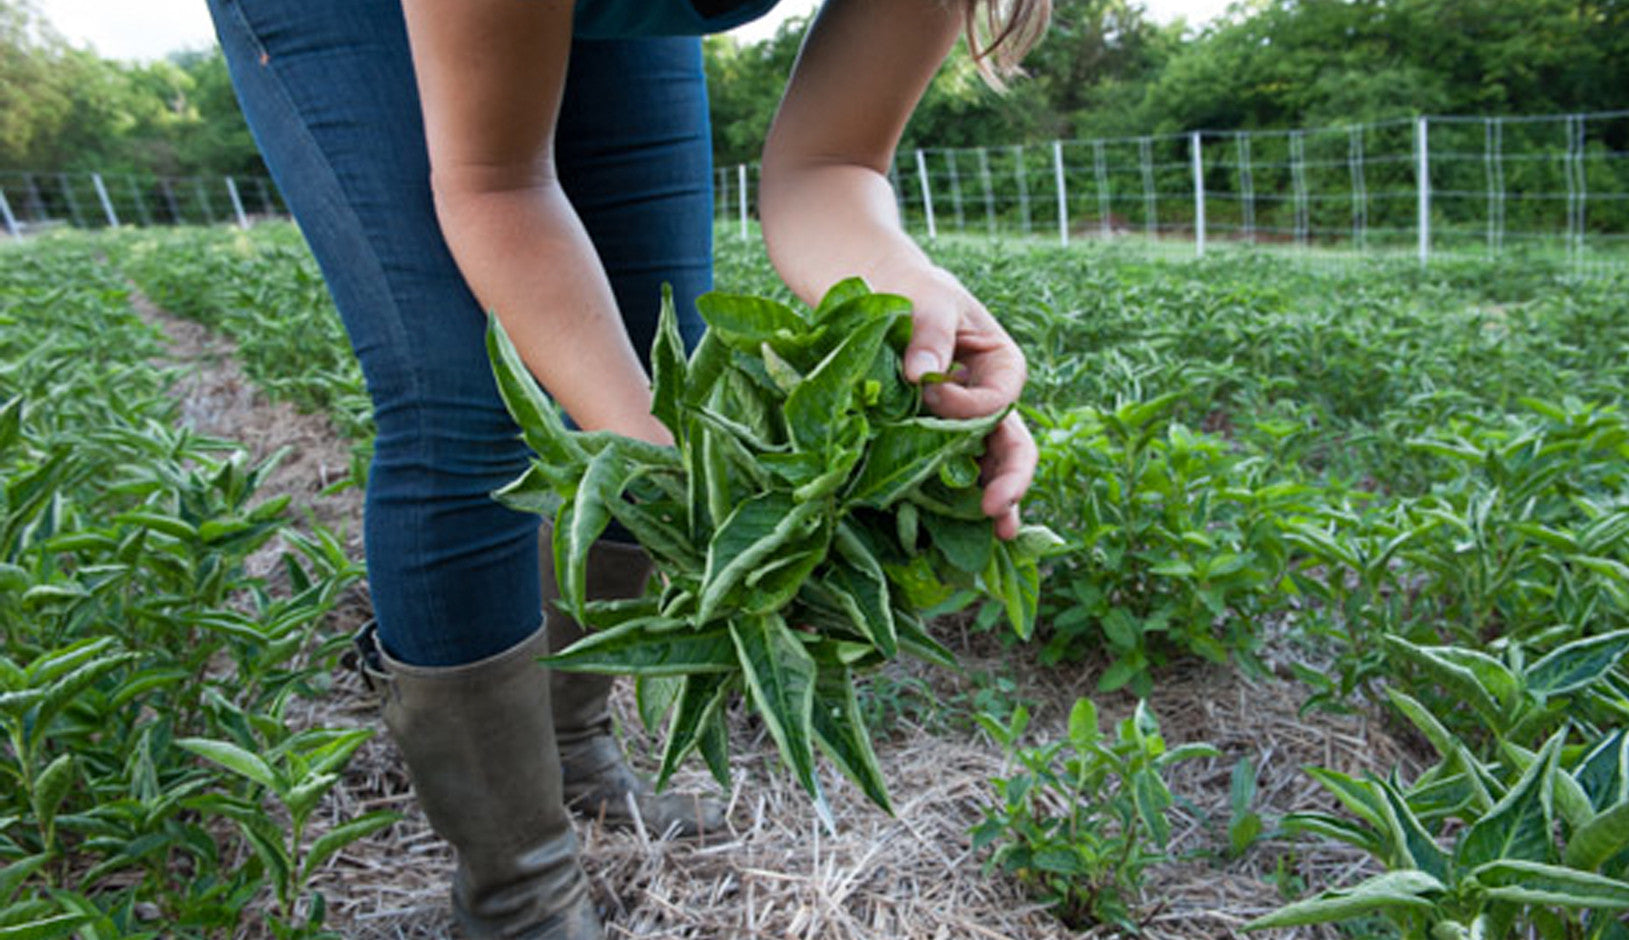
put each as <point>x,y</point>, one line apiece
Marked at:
<point>329,93</point>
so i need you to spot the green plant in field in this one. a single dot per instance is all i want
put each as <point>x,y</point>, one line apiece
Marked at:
<point>1175,543</point>
<point>807,512</point>
<point>1512,700</point>
<point>1083,818</point>
<point>296,773</point>
<point>1531,844</point>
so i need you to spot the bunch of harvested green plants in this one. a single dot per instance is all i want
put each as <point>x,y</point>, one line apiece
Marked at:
<point>807,513</point>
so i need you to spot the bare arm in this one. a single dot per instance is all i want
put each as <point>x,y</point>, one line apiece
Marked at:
<point>828,213</point>
<point>490,75</point>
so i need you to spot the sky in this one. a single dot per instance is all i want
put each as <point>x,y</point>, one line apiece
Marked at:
<point>151,29</point>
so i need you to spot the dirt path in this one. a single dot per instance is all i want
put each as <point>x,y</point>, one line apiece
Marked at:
<point>774,873</point>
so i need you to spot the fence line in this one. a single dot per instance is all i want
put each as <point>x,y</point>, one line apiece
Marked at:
<point>31,202</point>
<point>1554,185</point>
<point>1432,187</point>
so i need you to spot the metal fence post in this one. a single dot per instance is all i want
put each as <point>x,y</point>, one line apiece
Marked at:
<point>1063,192</point>
<point>203,198</point>
<point>172,202</point>
<point>955,191</point>
<point>1494,170</point>
<point>1360,189</point>
<point>1023,186</point>
<point>927,193</point>
<point>1100,170</point>
<point>989,189</point>
<point>1151,211</point>
<point>741,187</point>
<point>11,220</point>
<point>237,204</point>
<point>1198,195</point>
<point>1247,189</point>
<point>107,204</point>
<point>141,204</point>
<point>1422,177</point>
<point>68,196</point>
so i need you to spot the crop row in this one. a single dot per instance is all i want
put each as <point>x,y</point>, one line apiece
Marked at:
<point>152,784</point>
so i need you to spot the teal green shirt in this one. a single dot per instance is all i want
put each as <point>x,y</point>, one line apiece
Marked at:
<point>626,19</point>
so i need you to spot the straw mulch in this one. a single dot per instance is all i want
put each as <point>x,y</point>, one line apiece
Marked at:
<point>774,872</point>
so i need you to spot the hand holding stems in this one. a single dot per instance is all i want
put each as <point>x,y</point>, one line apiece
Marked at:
<point>984,372</point>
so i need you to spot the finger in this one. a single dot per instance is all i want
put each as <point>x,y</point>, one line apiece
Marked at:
<point>1009,464</point>
<point>1008,526</point>
<point>933,341</point>
<point>954,400</point>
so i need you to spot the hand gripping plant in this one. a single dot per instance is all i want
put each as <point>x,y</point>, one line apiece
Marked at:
<point>808,510</point>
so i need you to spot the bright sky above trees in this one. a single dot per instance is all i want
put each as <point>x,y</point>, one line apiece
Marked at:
<point>154,28</point>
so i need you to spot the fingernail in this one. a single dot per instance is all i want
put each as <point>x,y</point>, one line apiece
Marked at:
<point>922,362</point>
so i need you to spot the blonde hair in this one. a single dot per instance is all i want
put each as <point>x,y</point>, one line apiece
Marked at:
<point>1000,32</point>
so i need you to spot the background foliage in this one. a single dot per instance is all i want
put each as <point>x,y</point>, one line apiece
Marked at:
<point>1104,69</point>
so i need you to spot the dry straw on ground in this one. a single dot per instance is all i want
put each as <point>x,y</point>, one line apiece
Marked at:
<point>773,872</point>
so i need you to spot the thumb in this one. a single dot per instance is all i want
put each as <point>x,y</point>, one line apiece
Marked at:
<point>933,342</point>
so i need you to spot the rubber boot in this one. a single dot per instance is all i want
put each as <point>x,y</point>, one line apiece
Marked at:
<point>598,780</point>
<point>479,745</point>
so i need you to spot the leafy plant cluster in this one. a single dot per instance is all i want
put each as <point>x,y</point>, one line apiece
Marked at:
<point>808,510</point>
<point>1083,818</point>
<point>132,641</point>
<point>1499,840</point>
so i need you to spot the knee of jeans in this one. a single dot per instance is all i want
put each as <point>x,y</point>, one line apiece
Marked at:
<point>444,450</point>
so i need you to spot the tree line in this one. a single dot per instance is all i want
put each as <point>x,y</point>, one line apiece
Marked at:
<point>1105,69</point>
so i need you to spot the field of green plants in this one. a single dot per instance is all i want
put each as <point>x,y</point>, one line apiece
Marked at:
<point>1401,494</point>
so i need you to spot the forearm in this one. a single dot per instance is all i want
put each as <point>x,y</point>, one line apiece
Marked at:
<point>826,222</point>
<point>526,257</point>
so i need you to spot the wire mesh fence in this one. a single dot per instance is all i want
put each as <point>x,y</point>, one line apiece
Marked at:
<point>1550,186</point>
<point>31,202</point>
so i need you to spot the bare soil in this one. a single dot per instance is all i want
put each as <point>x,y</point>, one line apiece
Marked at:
<point>774,872</point>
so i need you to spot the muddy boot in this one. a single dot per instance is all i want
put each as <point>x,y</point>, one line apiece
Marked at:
<point>598,779</point>
<point>479,745</point>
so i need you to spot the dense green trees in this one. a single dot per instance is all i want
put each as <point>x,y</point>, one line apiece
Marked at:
<point>63,108</point>
<point>1106,70</point>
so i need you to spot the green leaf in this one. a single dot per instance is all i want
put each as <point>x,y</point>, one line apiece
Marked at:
<point>755,531</point>
<point>1518,826</point>
<point>1598,840</point>
<point>668,367</point>
<point>842,735</point>
<point>744,322</point>
<point>1421,850</point>
<point>539,421</point>
<point>700,697</point>
<point>1395,890</point>
<point>654,697</point>
<point>49,928</point>
<point>715,748</point>
<point>1576,665</point>
<point>836,296</point>
<point>1604,771</point>
<point>649,647</point>
<point>1458,679</point>
<point>915,640</point>
<point>1017,584</point>
<point>235,759</point>
<point>905,454</point>
<point>825,395</point>
<point>602,484</point>
<point>344,834</point>
<point>1527,882</point>
<point>780,676</point>
<point>50,787</point>
<point>966,545</point>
